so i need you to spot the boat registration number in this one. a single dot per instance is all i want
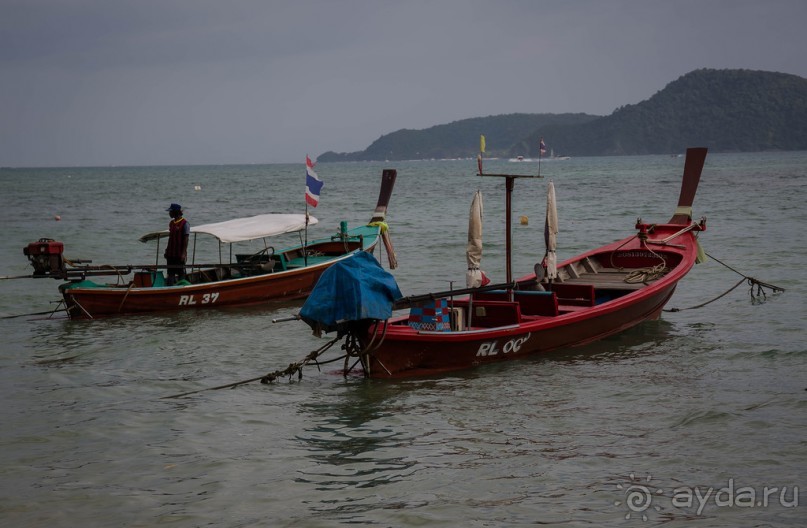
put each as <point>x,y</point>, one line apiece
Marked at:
<point>491,348</point>
<point>206,298</point>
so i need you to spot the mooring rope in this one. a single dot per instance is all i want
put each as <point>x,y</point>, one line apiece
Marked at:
<point>752,282</point>
<point>646,275</point>
<point>293,368</point>
<point>48,312</point>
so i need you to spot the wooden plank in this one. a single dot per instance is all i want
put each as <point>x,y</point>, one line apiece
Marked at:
<point>609,280</point>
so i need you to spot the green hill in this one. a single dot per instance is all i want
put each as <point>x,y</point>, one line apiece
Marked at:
<point>459,139</point>
<point>725,110</point>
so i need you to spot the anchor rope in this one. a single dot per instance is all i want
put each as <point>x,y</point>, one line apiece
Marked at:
<point>48,312</point>
<point>296,367</point>
<point>751,281</point>
<point>707,302</point>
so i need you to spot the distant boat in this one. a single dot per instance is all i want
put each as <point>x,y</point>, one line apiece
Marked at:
<point>557,158</point>
<point>551,157</point>
<point>283,273</point>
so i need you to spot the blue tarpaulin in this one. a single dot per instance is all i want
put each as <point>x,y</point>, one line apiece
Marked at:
<point>354,289</point>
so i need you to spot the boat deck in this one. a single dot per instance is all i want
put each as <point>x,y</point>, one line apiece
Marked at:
<point>589,272</point>
<point>606,280</point>
<point>580,287</point>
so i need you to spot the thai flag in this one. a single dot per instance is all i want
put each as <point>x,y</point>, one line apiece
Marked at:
<point>313,185</point>
<point>542,146</point>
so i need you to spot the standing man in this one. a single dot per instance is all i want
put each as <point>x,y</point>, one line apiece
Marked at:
<point>176,253</point>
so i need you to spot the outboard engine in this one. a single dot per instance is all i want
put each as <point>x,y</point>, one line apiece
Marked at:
<point>46,257</point>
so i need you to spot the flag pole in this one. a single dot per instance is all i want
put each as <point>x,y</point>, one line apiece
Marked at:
<point>313,186</point>
<point>305,242</point>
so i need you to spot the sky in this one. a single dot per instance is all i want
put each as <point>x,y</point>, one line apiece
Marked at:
<point>172,82</point>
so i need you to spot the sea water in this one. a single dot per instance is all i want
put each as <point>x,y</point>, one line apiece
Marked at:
<point>699,416</point>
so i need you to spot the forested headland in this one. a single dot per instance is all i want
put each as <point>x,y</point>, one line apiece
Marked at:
<point>725,110</point>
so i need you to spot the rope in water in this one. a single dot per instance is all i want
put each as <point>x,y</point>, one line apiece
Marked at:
<point>293,368</point>
<point>49,312</point>
<point>752,282</point>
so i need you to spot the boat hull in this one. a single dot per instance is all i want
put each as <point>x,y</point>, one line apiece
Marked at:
<point>404,351</point>
<point>100,302</point>
<point>94,302</point>
<point>422,355</point>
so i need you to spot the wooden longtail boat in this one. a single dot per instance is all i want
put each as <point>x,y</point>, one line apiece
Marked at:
<point>596,294</point>
<point>269,274</point>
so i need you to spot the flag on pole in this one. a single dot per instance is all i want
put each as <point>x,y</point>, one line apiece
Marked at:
<point>313,185</point>
<point>482,144</point>
<point>542,147</point>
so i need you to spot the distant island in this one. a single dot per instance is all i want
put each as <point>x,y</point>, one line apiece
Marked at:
<point>725,110</point>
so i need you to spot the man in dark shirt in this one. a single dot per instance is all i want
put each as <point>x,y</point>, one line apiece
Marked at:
<point>176,253</point>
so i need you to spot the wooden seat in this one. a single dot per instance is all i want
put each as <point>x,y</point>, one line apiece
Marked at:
<point>574,294</point>
<point>530,302</point>
<point>490,314</point>
<point>491,295</point>
<point>537,302</point>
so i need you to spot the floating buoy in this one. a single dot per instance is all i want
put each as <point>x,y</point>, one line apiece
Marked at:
<point>524,220</point>
<point>57,218</point>
<point>197,187</point>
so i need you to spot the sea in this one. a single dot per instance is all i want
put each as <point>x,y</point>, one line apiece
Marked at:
<point>697,419</point>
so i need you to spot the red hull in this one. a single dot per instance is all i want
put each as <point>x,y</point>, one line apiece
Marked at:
<point>99,302</point>
<point>405,351</point>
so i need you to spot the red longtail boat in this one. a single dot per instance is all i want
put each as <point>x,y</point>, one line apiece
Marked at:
<point>593,295</point>
<point>250,279</point>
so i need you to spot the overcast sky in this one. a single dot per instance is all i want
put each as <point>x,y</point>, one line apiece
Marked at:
<point>145,82</point>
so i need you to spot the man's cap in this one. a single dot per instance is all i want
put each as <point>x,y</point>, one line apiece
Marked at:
<point>174,207</point>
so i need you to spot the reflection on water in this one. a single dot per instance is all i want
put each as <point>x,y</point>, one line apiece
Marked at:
<point>352,441</point>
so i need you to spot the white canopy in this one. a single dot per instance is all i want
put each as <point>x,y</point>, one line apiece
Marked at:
<point>250,228</point>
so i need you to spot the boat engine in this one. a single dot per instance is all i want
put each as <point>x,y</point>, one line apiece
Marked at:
<point>46,257</point>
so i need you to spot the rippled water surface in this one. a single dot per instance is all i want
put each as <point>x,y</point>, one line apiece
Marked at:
<point>706,404</point>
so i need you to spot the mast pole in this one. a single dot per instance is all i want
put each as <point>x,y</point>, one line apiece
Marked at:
<point>510,180</point>
<point>509,183</point>
<point>305,243</point>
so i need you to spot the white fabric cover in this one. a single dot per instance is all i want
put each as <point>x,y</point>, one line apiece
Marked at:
<point>250,228</point>
<point>473,251</point>
<point>551,232</point>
